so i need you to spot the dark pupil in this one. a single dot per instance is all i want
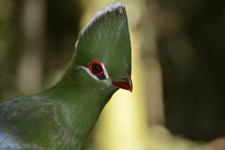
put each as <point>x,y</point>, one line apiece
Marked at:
<point>96,68</point>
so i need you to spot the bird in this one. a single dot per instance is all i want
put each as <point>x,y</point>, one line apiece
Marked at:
<point>63,116</point>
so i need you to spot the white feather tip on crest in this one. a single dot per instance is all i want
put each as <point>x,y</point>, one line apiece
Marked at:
<point>107,8</point>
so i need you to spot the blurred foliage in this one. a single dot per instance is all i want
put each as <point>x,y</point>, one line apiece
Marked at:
<point>8,43</point>
<point>192,60</point>
<point>178,68</point>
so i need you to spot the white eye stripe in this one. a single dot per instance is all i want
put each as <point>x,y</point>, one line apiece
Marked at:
<point>93,76</point>
<point>88,71</point>
<point>105,72</point>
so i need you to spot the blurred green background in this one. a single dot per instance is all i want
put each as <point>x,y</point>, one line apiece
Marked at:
<point>178,71</point>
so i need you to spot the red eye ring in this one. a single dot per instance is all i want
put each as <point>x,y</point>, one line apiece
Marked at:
<point>96,68</point>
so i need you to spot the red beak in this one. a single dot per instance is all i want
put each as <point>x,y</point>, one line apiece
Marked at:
<point>127,84</point>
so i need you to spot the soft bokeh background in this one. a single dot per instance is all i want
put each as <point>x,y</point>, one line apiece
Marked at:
<point>178,101</point>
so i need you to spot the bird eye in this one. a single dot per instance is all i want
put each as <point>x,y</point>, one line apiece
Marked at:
<point>96,68</point>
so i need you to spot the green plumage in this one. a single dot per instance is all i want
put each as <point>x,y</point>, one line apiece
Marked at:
<point>63,116</point>
<point>109,42</point>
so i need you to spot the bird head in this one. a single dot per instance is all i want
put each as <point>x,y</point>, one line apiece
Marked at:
<point>103,49</point>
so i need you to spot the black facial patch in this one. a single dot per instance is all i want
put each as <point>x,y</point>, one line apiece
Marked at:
<point>101,77</point>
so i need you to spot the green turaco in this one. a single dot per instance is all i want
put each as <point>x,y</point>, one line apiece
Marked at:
<point>63,116</point>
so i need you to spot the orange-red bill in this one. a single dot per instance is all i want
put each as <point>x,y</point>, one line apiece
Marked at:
<point>127,84</point>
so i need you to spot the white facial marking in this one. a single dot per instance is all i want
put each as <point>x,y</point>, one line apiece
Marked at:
<point>88,71</point>
<point>93,76</point>
<point>105,72</point>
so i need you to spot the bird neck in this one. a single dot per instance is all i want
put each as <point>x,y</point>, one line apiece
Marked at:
<point>79,106</point>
